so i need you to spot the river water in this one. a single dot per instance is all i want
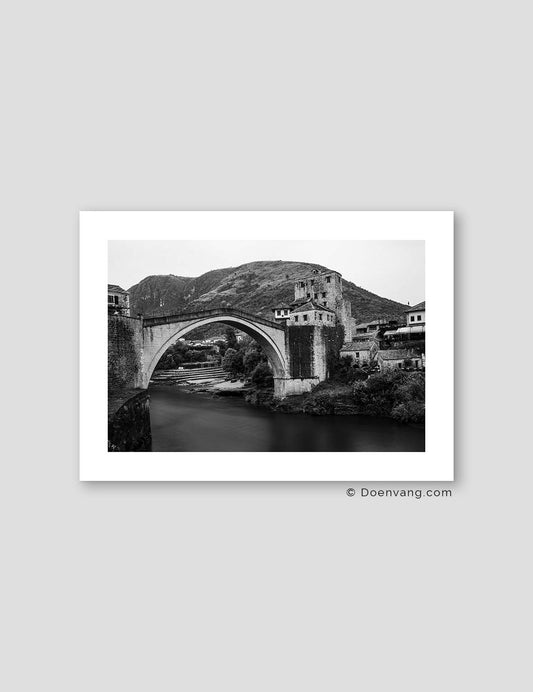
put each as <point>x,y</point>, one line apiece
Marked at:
<point>185,422</point>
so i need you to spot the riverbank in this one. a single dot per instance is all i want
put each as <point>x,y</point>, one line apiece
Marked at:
<point>323,400</point>
<point>397,395</point>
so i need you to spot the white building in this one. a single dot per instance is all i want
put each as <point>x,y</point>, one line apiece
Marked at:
<point>282,312</point>
<point>416,315</point>
<point>118,300</point>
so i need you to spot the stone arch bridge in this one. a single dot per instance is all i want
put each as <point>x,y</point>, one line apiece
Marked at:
<point>297,354</point>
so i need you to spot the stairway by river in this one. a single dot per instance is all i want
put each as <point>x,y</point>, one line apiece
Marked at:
<point>189,376</point>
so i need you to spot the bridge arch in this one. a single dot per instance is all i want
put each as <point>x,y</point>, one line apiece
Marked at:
<point>159,337</point>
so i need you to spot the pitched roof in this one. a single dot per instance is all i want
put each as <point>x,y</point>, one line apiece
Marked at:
<point>412,329</point>
<point>311,305</point>
<point>116,289</point>
<point>394,354</point>
<point>374,323</point>
<point>378,322</point>
<point>419,306</point>
<point>282,306</point>
<point>357,346</point>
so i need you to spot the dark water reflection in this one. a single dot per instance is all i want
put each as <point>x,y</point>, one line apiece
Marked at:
<point>184,422</point>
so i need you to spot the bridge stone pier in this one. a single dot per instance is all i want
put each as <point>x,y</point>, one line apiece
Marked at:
<point>297,354</point>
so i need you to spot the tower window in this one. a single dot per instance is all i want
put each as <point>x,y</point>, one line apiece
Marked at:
<point>328,279</point>
<point>302,285</point>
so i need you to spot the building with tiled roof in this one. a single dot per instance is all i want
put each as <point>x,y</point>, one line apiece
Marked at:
<point>318,301</point>
<point>311,305</point>
<point>360,351</point>
<point>374,326</point>
<point>282,311</point>
<point>324,288</point>
<point>359,345</point>
<point>113,288</point>
<point>311,312</point>
<point>392,359</point>
<point>118,300</point>
<point>394,354</point>
<point>416,314</point>
<point>418,306</point>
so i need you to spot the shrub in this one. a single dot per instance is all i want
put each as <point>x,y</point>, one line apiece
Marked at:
<point>326,398</point>
<point>392,393</point>
<point>359,375</point>
<point>233,362</point>
<point>409,412</point>
<point>252,357</point>
<point>231,338</point>
<point>262,377</point>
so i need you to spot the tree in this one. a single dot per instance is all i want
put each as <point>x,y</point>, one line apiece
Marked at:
<point>262,377</point>
<point>222,347</point>
<point>231,338</point>
<point>253,355</point>
<point>195,356</point>
<point>233,362</point>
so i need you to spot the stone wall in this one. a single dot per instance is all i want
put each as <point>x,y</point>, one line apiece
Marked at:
<point>124,353</point>
<point>289,387</point>
<point>301,349</point>
<point>128,422</point>
<point>311,351</point>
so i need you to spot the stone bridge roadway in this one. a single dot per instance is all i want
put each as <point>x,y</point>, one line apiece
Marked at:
<point>161,332</point>
<point>297,355</point>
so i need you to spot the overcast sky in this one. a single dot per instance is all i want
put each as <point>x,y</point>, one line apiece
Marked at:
<point>390,268</point>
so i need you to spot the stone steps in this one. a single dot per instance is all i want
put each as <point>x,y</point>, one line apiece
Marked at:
<point>191,375</point>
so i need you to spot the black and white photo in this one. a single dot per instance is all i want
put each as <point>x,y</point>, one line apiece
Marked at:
<point>308,344</point>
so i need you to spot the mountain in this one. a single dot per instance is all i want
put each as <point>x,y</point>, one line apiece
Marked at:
<point>255,287</point>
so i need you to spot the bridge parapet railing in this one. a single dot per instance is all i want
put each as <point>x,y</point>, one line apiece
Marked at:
<point>213,312</point>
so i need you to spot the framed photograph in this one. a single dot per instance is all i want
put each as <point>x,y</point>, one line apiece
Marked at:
<point>266,346</point>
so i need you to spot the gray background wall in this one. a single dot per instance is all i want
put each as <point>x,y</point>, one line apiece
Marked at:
<point>280,105</point>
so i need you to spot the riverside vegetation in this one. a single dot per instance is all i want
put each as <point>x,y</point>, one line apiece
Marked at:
<point>350,390</point>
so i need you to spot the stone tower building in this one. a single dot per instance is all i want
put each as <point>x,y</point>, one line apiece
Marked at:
<point>324,288</point>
